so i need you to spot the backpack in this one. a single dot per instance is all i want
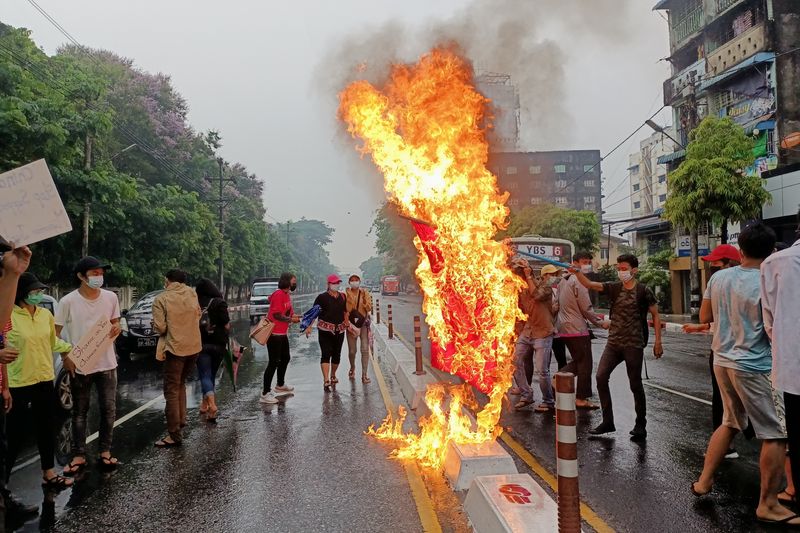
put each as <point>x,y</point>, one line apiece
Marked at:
<point>641,302</point>
<point>206,324</point>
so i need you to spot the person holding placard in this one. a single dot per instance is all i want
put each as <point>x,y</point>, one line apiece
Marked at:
<point>30,378</point>
<point>77,314</point>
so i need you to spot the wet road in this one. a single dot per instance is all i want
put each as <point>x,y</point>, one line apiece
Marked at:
<point>301,465</point>
<point>644,487</point>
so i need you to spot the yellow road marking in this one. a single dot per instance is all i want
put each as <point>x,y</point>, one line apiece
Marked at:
<point>587,514</point>
<point>427,516</point>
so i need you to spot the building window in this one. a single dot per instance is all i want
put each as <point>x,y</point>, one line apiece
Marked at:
<point>511,170</point>
<point>561,184</point>
<point>535,170</point>
<point>588,183</point>
<point>637,205</point>
<point>635,187</point>
<point>589,199</point>
<point>603,253</point>
<point>662,178</point>
<point>561,200</point>
<point>560,169</point>
<point>512,186</point>
<point>513,201</point>
<point>536,200</point>
<point>662,198</point>
<point>588,168</point>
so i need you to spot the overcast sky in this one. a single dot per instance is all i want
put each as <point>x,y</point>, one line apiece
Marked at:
<point>263,74</point>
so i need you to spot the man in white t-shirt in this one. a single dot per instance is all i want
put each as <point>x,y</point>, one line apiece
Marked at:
<point>77,312</point>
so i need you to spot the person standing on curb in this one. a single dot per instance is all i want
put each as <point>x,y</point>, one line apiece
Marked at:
<point>359,307</point>
<point>630,302</point>
<point>77,313</point>
<point>215,325</point>
<point>574,312</point>
<point>331,326</point>
<point>780,294</point>
<point>176,318</point>
<point>282,315</point>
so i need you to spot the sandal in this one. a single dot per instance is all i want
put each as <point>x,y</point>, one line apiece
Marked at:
<point>786,497</point>
<point>108,463</point>
<point>589,406</point>
<point>73,468</point>
<point>164,443</point>
<point>334,380</point>
<point>57,482</point>
<point>326,386</point>
<point>352,374</point>
<point>365,379</point>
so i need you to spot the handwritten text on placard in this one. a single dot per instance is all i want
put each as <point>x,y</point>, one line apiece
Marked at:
<point>92,346</point>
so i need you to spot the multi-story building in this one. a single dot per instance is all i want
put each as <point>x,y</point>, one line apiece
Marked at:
<point>568,178</point>
<point>648,178</point>
<point>504,109</point>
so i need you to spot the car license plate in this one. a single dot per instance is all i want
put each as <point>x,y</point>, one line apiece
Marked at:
<point>146,342</point>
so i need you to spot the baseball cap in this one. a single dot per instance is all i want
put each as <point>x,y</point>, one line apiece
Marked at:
<point>333,278</point>
<point>723,251</point>
<point>90,263</point>
<point>28,282</point>
<point>550,269</point>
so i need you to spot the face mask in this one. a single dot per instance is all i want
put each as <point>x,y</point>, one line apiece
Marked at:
<point>355,284</point>
<point>552,282</point>
<point>586,269</point>
<point>625,275</point>
<point>293,287</point>
<point>333,287</point>
<point>34,299</point>
<point>95,282</point>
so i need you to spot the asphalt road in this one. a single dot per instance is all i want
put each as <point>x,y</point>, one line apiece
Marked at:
<point>644,487</point>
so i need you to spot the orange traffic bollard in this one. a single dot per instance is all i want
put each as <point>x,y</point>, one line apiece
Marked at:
<point>378,310</point>
<point>569,498</point>
<point>389,322</point>
<point>418,347</point>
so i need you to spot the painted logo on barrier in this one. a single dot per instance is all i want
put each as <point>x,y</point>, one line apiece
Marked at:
<point>515,493</point>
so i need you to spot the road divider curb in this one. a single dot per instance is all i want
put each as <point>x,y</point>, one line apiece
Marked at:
<point>464,462</point>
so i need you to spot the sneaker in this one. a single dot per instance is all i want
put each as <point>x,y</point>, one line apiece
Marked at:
<point>268,398</point>
<point>283,389</point>
<point>731,454</point>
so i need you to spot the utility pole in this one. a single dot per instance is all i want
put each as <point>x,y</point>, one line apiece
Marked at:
<point>690,123</point>
<point>221,201</point>
<point>87,204</point>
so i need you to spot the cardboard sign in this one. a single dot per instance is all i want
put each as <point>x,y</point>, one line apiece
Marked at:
<point>92,346</point>
<point>30,207</point>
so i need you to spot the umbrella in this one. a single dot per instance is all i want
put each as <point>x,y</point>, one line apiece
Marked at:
<point>309,317</point>
<point>233,357</point>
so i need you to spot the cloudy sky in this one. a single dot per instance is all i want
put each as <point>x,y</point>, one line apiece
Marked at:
<point>266,75</point>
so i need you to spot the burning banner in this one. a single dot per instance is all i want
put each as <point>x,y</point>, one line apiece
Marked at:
<point>424,131</point>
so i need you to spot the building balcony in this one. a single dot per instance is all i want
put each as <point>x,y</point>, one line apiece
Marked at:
<point>738,49</point>
<point>723,5</point>
<point>674,87</point>
<point>687,26</point>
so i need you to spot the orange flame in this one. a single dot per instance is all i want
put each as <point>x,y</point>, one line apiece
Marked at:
<point>423,131</point>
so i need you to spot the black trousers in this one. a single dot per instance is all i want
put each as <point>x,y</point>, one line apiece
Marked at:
<point>279,357</point>
<point>330,344</point>
<point>792,404</point>
<point>580,348</point>
<point>35,404</point>
<point>560,352</point>
<point>633,358</point>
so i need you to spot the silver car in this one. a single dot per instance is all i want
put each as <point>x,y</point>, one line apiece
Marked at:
<point>63,380</point>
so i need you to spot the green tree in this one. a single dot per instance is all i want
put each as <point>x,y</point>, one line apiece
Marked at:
<point>395,242</point>
<point>580,227</point>
<point>710,186</point>
<point>372,269</point>
<point>655,275</point>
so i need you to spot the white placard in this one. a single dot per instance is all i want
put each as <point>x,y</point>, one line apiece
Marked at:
<point>30,207</point>
<point>92,346</point>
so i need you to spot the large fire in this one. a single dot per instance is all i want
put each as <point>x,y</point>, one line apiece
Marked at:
<point>424,131</point>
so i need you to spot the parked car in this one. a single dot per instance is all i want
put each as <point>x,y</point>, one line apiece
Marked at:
<point>259,297</point>
<point>63,380</point>
<point>137,334</point>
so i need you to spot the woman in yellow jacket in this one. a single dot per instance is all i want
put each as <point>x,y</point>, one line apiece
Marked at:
<point>30,378</point>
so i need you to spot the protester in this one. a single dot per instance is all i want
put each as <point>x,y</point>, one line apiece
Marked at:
<point>281,314</point>
<point>742,363</point>
<point>630,302</point>
<point>359,307</point>
<point>14,263</point>
<point>723,256</point>
<point>76,315</point>
<point>575,312</point>
<point>780,294</point>
<point>30,378</point>
<point>176,315</point>
<point>536,337</point>
<point>331,325</point>
<point>215,323</point>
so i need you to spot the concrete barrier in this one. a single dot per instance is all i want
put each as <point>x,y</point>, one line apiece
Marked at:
<point>465,462</point>
<point>510,504</point>
<point>401,360</point>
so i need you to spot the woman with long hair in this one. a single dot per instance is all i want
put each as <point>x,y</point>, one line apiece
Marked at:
<point>282,315</point>
<point>215,325</point>
<point>331,325</point>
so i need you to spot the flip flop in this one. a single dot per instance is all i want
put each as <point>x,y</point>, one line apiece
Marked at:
<point>787,498</point>
<point>109,463</point>
<point>57,483</point>
<point>783,523</point>
<point>164,443</point>
<point>697,492</point>
<point>74,468</point>
<point>587,406</point>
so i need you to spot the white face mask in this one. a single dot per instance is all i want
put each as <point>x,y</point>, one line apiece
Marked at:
<point>333,287</point>
<point>586,269</point>
<point>625,275</point>
<point>95,282</point>
<point>355,284</point>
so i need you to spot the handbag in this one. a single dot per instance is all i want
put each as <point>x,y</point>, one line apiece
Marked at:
<point>356,318</point>
<point>262,331</point>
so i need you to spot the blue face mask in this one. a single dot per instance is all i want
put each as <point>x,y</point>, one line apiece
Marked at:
<point>95,282</point>
<point>34,298</point>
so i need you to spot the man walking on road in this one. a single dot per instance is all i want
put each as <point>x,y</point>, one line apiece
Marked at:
<point>77,313</point>
<point>742,364</point>
<point>176,318</point>
<point>574,311</point>
<point>780,294</point>
<point>630,302</point>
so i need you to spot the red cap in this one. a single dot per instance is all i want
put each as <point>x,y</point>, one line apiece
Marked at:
<point>723,251</point>
<point>333,278</point>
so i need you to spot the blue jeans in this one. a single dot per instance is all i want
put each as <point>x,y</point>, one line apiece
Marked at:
<point>541,352</point>
<point>207,366</point>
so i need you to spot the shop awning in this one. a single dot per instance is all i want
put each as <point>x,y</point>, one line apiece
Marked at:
<point>668,158</point>
<point>761,57</point>
<point>646,224</point>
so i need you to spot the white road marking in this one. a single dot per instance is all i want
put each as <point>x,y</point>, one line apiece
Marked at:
<point>677,393</point>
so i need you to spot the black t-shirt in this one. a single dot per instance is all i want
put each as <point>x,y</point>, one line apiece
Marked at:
<point>332,308</point>
<point>219,317</point>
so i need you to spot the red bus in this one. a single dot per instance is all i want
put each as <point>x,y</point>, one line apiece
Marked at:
<point>390,285</point>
